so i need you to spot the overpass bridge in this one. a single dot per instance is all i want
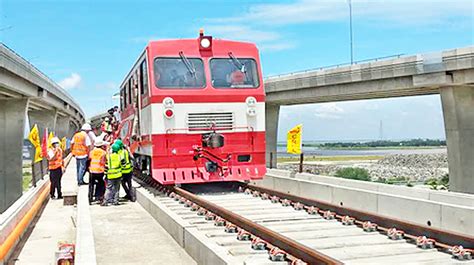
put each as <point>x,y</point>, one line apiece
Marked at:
<point>449,73</point>
<point>25,91</point>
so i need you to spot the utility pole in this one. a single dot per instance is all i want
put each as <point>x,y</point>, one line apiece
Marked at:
<point>350,29</point>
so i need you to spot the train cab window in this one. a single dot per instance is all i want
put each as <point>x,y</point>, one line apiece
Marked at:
<point>234,73</point>
<point>180,72</point>
<point>144,78</point>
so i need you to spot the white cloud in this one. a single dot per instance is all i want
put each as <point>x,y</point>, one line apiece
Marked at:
<point>401,11</point>
<point>329,111</point>
<point>70,82</point>
<point>107,86</point>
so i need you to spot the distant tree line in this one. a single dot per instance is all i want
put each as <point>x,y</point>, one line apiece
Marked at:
<point>384,143</point>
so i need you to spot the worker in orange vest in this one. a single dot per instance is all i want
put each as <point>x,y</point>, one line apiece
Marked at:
<point>96,169</point>
<point>56,167</point>
<point>80,146</point>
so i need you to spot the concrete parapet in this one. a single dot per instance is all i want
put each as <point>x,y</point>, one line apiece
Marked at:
<point>17,218</point>
<point>435,208</point>
<point>12,127</point>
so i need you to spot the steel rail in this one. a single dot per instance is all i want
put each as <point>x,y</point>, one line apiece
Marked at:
<point>306,254</point>
<point>443,238</point>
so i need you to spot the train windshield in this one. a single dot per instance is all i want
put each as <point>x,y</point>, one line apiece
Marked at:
<point>179,72</point>
<point>234,73</point>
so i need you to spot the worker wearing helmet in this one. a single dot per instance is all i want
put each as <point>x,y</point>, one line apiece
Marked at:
<point>56,167</point>
<point>80,146</point>
<point>96,171</point>
<point>113,171</point>
<point>127,170</point>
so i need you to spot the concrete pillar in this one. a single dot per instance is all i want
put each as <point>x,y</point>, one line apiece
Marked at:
<point>62,126</point>
<point>12,127</point>
<point>44,119</point>
<point>272,112</point>
<point>458,112</point>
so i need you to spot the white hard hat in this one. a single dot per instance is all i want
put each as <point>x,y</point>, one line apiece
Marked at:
<point>86,127</point>
<point>107,118</point>
<point>55,140</point>
<point>98,143</point>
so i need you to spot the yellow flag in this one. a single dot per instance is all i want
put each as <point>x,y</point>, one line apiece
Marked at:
<point>50,137</point>
<point>63,143</point>
<point>293,143</point>
<point>35,141</point>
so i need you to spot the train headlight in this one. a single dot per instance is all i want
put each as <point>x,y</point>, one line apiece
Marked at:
<point>169,113</point>
<point>251,111</point>
<point>168,102</point>
<point>205,43</point>
<point>251,101</point>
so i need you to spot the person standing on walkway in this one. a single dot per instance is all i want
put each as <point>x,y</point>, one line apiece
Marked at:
<point>97,168</point>
<point>80,146</point>
<point>56,167</point>
<point>113,171</point>
<point>127,170</point>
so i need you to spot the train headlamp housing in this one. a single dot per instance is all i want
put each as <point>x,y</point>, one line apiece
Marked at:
<point>205,42</point>
<point>251,101</point>
<point>168,102</point>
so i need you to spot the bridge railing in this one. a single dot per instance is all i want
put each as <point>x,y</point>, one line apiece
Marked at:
<point>337,65</point>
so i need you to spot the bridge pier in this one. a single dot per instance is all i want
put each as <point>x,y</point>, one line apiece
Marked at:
<point>62,126</point>
<point>458,111</point>
<point>12,127</point>
<point>272,113</point>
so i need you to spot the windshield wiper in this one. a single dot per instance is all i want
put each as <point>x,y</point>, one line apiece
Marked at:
<point>188,64</point>
<point>237,63</point>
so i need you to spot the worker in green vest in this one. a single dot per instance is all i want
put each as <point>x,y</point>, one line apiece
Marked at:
<point>113,171</point>
<point>127,170</point>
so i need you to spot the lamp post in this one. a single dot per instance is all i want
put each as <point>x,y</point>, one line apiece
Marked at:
<point>350,28</point>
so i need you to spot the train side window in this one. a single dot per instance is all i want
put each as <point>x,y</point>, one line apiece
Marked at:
<point>122,99</point>
<point>144,78</point>
<point>125,96</point>
<point>130,90</point>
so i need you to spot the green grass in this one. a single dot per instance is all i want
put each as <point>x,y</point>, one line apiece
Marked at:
<point>27,177</point>
<point>330,158</point>
<point>353,173</point>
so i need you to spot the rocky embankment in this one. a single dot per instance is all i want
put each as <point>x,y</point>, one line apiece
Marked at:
<point>416,167</point>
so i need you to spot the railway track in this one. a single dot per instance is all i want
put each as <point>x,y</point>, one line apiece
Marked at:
<point>258,225</point>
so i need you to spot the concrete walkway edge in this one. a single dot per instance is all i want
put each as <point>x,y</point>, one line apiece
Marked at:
<point>85,245</point>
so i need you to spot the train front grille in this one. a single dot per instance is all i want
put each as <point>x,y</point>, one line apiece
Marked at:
<point>207,120</point>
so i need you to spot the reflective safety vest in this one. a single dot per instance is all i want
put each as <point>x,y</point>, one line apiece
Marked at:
<point>57,160</point>
<point>97,157</point>
<point>114,166</point>
<point>127,164</point>
<point>79,147</point>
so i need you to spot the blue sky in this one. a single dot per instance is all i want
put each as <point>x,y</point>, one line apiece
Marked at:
<point>88,46</point>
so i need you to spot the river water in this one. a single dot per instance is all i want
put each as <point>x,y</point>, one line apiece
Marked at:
<point>315,151</point>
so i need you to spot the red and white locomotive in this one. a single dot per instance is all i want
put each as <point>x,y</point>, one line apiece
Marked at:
<point>193,111</point>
